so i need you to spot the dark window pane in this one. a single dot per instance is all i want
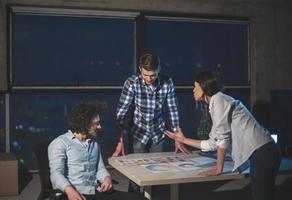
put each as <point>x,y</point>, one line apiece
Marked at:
<point>185,48</point>
<point>188,113</point>
<point>43,116</point>
<point>242,94</point>
<point>71,51</point>
<point>2,123</point>
<point>188,117</point>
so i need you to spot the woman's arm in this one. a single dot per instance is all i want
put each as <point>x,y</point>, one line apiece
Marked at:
<point>181,138</point>
<point>217,170</point>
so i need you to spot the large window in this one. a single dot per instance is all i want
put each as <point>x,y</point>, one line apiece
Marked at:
<point>71,50</point>
<point>61,56</point>
<point>242,94</point>
<point>43,116</point>
<point>188,46</point>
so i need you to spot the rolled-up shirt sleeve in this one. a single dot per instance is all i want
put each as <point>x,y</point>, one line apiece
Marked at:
<point>57,162</point>
<point>213,143</point>
<point>208,145</point>
<point>220,134</point>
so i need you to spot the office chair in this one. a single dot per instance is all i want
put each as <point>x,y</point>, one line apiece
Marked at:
<point>47,191</point>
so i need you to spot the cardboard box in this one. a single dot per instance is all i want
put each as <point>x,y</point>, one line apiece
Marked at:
<point>8,174</point>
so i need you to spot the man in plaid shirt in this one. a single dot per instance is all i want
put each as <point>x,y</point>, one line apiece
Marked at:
<point>150,92</point>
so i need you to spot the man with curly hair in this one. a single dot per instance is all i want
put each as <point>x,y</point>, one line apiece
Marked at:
<point>76,164</point>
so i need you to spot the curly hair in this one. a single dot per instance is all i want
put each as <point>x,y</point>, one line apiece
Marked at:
<point>82,114</point>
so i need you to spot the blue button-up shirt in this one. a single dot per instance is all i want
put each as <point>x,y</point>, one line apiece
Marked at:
<point>149,104</point>
<point>75,163</point>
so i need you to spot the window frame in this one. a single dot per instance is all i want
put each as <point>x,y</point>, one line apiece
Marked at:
<point>140,43</point>
<point>67,12</point>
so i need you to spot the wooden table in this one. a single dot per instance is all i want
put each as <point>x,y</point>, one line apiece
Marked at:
<point>142,176</point>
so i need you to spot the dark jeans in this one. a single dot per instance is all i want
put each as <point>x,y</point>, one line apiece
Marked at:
<point>264,166</point>
<point>113,195</point>
<point>139,147</point>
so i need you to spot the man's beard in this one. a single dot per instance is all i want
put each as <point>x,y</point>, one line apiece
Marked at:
<point>92,135</point>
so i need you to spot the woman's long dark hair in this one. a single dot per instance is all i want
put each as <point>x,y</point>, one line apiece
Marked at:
<point>209,82</point>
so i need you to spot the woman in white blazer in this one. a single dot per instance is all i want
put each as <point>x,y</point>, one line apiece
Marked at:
<point>235,130</point>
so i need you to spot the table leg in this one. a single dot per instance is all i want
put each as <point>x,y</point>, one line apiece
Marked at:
<point>148,192</point>
<point>174,192</point>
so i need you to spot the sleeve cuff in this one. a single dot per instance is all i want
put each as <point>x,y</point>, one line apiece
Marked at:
<point>205,146</point>
<point>222,144</point>
<point>102,177</point>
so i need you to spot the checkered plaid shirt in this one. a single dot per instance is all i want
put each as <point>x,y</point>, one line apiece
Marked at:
<point>149,107</point>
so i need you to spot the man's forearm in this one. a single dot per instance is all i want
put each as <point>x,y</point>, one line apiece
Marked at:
<point>59,181</point>
<point>120,134</point>
<point>120,144</point>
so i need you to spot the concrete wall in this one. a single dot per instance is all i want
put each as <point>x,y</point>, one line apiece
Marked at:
<point>271,31</point>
